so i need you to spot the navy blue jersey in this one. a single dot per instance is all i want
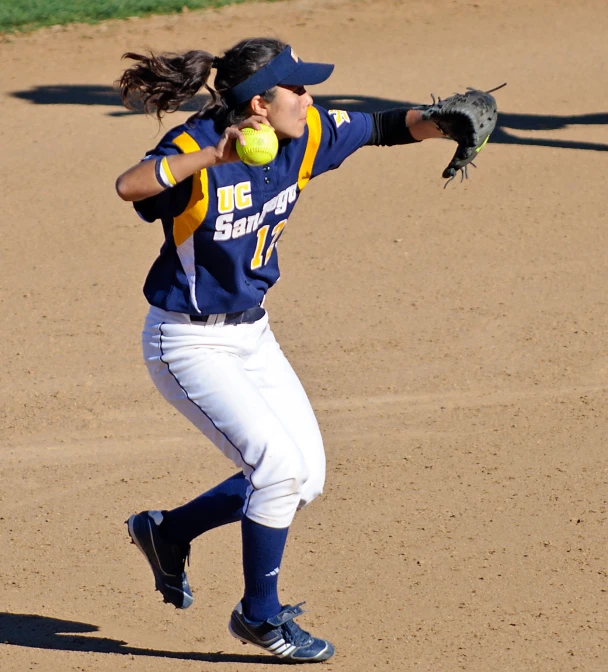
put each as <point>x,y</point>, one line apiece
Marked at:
<point>222,225</point>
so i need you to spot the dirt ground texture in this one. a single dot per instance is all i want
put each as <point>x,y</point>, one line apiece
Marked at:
<point>453,343</point>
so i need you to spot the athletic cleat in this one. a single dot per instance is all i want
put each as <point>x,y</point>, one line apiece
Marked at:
<point>166,559</point>
<point>281,636</point>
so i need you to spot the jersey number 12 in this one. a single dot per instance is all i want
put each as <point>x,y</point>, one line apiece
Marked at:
<point>259,258</point>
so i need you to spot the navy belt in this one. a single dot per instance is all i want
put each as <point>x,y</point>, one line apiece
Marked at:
<point>248,316</point>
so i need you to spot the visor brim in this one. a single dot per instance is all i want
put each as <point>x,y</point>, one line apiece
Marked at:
<point>308,74</point>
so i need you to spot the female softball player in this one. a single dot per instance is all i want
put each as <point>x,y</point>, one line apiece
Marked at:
<point>207,341</point>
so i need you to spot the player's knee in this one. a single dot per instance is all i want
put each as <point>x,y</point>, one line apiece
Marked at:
<point>277,490</point>
<point>284,470</point>
<point>296,471</point>
<point>312,488</point>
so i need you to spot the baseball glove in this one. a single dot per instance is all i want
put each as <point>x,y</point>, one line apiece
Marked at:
<point>468,119</point>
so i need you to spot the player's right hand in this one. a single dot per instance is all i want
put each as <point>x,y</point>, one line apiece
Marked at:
<point>226,147</point>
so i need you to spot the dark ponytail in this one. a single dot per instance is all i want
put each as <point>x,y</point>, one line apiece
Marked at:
<point>163,82</point>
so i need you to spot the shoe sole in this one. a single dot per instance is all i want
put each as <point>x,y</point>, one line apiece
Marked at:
<point>187,600</point>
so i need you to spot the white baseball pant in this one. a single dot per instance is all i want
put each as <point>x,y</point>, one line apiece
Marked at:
<point>235,384</point>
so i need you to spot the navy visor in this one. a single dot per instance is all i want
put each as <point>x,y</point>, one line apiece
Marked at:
<point>286,69</point>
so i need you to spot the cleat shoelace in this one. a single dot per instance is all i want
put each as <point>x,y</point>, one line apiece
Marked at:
<point>293,634</point>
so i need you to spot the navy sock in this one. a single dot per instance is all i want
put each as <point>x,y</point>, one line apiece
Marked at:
<point>262,554</point>
<point>219,506</point>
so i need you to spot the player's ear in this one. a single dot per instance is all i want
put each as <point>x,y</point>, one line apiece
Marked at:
<point>258,106</point>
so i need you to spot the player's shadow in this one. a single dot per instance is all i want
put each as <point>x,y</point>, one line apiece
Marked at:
<point>42,632</point>
<point>65,94</point>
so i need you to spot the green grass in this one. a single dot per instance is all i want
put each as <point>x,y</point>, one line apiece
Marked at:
<point>28,15</point>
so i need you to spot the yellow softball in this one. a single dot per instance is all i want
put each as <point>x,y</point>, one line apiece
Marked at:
<point>261,148</point>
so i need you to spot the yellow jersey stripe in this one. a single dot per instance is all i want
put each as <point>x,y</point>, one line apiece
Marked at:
<point>312,146</point>
<point>187,223</point>
<point>186,143</point>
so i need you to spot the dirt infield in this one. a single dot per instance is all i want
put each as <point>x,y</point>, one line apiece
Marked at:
<point>454,344</point>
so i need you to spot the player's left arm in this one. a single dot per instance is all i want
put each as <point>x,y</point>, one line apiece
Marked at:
<point>343,133</point>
